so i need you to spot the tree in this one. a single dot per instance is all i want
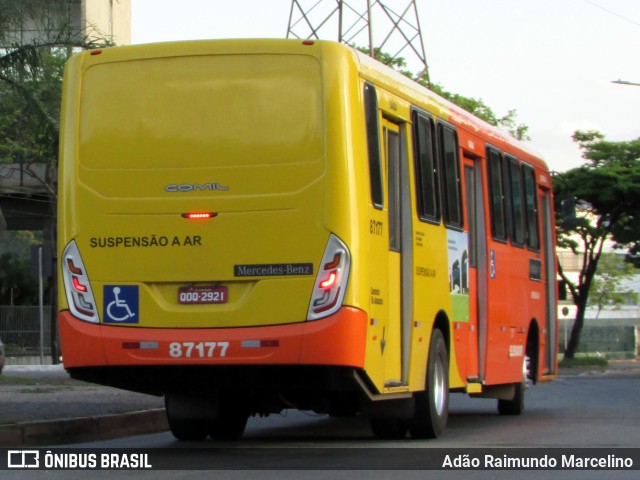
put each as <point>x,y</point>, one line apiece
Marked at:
<point>607,194</point>
<point>30,87</point>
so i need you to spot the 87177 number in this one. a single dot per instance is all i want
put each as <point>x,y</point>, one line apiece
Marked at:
<point>198,349</point>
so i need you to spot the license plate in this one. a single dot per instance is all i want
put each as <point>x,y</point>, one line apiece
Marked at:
<point>202,295</point>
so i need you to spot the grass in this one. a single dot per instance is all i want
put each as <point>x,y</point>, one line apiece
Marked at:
<point>13,380</point>
<point>41,381</point>
<point>585,361</point>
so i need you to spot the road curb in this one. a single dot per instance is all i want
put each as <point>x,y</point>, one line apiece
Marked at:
<point>86,429</point>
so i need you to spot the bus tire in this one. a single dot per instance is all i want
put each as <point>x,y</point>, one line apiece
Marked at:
<point>432,404</point>
<point>187,430</point>
<point>388,428</point>
<point>515,406</point>
<point>229,426</point>
<point>182,427</point>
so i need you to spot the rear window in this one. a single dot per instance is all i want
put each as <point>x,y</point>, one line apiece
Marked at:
<point>202,111</point>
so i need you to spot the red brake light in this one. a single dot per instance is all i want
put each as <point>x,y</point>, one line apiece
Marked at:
<point>78,286</point>
<point>331,279</point>
<point>199,215</point>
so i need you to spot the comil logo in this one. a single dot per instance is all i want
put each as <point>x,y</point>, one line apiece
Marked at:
<point>23,459</point>
<point>194,187</point>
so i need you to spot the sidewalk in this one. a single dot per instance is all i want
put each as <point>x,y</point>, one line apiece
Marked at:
<point>41,405</point>
<point>615,367</point>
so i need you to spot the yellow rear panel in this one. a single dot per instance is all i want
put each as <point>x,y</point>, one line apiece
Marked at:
<point>241,136</point>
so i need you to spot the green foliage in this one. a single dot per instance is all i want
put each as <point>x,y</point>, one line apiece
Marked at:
<point>29,110</point>
<point>607,191</point>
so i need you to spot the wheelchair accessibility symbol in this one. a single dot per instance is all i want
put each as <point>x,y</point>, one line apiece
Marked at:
<point>121,304</point>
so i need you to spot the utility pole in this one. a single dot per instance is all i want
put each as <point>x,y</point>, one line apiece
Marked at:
<point>354,23</point>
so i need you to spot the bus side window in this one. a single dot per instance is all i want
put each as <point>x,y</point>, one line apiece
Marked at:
<point>530,191</point>
<point>373,145</point>
<point>426,168</point>
<point>448,140</point>
<point>516,202</point>
<point>496,186</point>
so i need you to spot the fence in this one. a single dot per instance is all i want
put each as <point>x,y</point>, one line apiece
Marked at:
<point>614,341</point>
<point>20,331</point>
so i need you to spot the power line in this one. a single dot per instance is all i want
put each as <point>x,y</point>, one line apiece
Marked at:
<point>612,12</point>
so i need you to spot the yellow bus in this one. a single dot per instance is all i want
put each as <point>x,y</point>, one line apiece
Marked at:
<point>247,226</point>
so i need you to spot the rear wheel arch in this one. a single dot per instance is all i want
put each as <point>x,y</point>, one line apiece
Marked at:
<point>441,322</point>
<point>532,350</point>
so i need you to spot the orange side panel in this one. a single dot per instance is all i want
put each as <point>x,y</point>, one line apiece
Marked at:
<point>335,340</point>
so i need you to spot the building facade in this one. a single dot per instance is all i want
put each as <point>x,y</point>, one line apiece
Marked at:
<point>26,21</point>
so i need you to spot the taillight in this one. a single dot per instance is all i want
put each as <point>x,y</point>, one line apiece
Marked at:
<point>331,281</point>
<point>199,215</point>
<point>77,286</point>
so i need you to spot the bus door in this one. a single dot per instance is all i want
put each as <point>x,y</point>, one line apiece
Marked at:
<point>549,279</point>
<point>478,267</point>
<point>399,257</point>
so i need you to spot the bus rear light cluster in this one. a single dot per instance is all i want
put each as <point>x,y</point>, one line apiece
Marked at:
<point>331,281</point>
<point>199,215</point>
<point>77,286</point>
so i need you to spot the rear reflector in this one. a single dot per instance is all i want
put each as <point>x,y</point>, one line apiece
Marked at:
<point>140,345</point>
<point>260,343</point>
<point>78,286</point>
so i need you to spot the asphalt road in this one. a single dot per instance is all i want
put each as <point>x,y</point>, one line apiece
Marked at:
<point>573,411</point>
<point>568,412</point>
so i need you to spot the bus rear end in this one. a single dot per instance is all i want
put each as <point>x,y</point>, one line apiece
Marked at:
<point>196,260</point>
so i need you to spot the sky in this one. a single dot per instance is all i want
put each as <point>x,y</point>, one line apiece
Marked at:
<point>553,61</point>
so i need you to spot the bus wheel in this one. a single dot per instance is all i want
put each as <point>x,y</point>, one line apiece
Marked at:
<point>432,404</point>
<point>229,425</point>
<point>183,426</point>
<point>388,428</point>
<point>515,406</point>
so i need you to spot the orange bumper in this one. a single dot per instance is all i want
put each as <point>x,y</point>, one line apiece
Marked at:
<point>335,340</point>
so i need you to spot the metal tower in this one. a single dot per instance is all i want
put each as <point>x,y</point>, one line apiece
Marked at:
<point>354,22</point>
